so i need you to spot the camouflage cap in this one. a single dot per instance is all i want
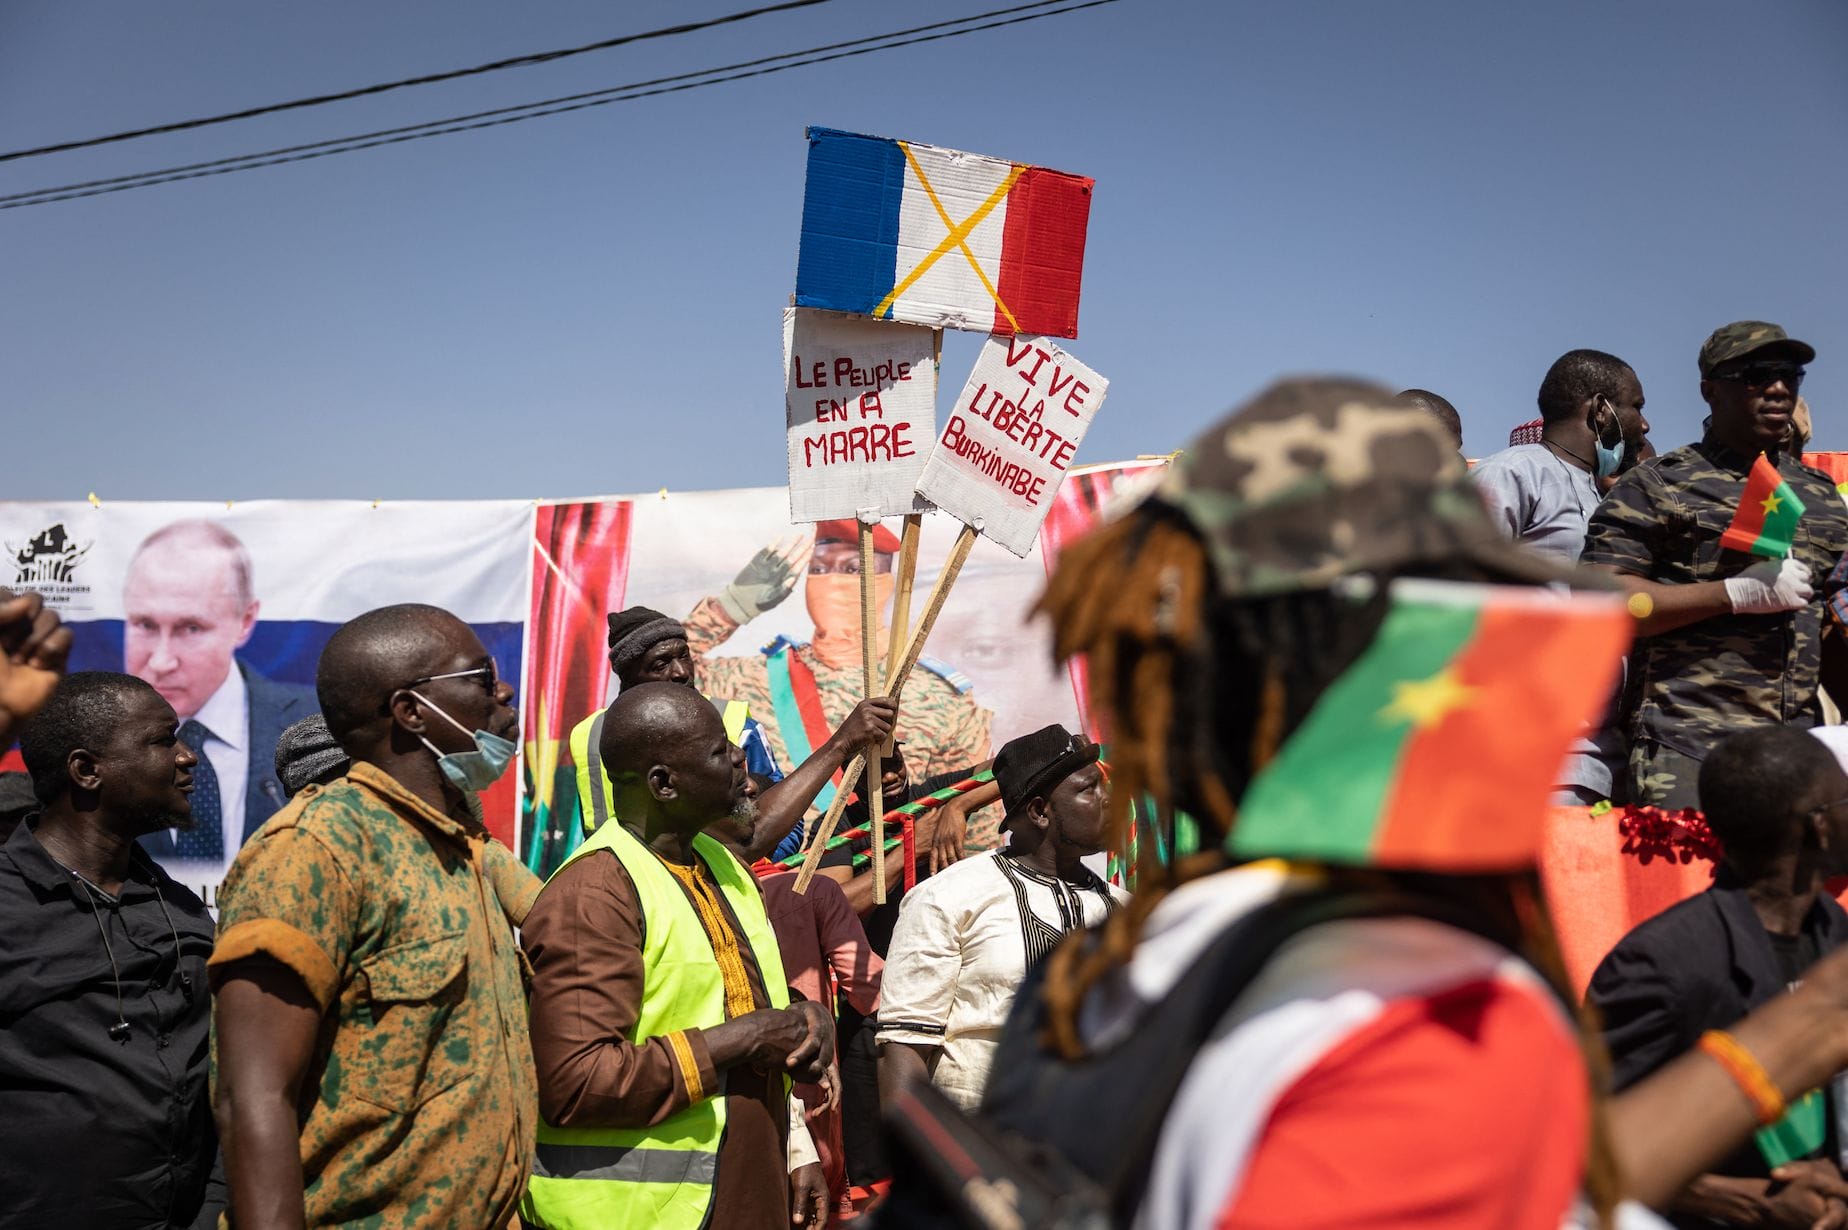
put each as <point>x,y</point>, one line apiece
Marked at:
<point>1743,337</point>
<point>1316,479</point>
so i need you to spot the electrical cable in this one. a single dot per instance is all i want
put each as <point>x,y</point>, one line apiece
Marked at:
<point>525,61</point>
<point>615,94</point>
<point>521,107</point>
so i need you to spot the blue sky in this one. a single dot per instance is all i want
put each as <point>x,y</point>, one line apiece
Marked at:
<point>1431,193</point>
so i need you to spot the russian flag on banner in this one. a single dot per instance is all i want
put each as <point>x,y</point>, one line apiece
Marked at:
<point>911,232</point>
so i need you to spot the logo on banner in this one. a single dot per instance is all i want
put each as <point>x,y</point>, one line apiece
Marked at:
<point>48,564</point>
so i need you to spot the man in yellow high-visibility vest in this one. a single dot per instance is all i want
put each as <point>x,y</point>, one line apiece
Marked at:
<point>646,646</point>
<point>663,1032</point>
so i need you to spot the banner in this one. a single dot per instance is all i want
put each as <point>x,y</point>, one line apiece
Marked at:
<point>988,674</point>
<point>260,586</point>
<point>224,609</point>
<point>860,398</point>
<point>1011,437</point>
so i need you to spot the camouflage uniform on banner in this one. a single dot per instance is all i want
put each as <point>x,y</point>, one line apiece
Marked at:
<point>1688,687</point>
<point>940,723</point>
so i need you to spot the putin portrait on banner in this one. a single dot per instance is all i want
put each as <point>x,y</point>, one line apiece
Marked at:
<point>189,605</point>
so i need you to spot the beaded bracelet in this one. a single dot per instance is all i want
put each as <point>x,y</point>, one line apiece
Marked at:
<point>1747,1073</point>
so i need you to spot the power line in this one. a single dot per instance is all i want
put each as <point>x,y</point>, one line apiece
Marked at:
<point>525,61</point>
<point>513,115</point>
<point>607,92</point>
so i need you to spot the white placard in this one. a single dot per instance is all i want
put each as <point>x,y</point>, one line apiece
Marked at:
<point>861,400</point>
<point>1011,437</point>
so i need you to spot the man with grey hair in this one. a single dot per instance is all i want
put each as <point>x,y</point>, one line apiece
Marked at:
<point>189,605</point>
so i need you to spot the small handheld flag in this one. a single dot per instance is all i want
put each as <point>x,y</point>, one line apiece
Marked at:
<point>1437,749</point>
<point>1766,522</point>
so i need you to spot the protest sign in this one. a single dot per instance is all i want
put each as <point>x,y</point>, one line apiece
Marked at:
<point>906,231</point>
<point>860,398</point>
<point>1011,437</point>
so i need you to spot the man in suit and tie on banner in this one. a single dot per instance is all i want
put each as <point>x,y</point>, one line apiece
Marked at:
<point>189,605</point>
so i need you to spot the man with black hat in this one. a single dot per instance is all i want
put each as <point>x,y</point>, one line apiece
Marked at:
<point>649,647</point>
<point>1727,638</point>
<point>967,936</point>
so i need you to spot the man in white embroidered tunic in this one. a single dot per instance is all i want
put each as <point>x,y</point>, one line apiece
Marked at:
<point>966,936</point>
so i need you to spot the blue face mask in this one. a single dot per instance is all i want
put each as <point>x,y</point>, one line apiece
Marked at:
<point>1609,458</point>
<point>475,771</point>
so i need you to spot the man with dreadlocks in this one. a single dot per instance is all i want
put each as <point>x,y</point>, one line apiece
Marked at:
<point>1396,1067</point>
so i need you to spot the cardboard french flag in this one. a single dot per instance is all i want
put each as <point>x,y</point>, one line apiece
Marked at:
<point>905,231</point>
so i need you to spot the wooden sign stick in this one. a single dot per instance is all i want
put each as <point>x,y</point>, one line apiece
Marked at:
<point>824,831</point>
<point>939,593</point>
<point>869,665</point>
<point>901,601</point>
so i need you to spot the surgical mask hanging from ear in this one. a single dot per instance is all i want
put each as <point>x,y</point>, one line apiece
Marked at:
<point>476,770</point>
<point>1609,459</point>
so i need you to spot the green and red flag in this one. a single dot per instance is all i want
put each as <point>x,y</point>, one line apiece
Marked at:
<point>1766,521</point>
<point>1803,1130</point>
<point>1438,749</point>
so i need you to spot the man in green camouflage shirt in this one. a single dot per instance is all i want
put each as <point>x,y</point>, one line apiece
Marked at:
<point>374,1064</point>
<point>1726,639</point>
<point>799,692</point>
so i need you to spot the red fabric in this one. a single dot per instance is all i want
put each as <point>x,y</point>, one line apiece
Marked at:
<point>1076,507</point>
<point>1463,1110</point>
<point>1596,892</point>
<point>1042,253</point>
<point>824,949</point>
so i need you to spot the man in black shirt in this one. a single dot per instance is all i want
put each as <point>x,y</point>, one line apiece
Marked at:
<point>1778,801</point>
<point>105,1122</point>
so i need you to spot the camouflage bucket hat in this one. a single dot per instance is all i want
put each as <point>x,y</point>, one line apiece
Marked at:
<point>1316,479</point>
<point>1743,337</point>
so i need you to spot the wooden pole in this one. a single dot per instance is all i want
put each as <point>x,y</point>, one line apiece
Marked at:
<point>869,666</point>
<point>939,593</point>
<point>825,830</point>
<point>901,601</point>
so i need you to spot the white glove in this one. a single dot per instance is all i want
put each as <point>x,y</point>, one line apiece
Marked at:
<point>1770,586</point>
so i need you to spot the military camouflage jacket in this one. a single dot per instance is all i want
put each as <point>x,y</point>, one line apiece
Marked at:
<point>1663,521</point>
<point>420,1103</point>
<point>939,722</point>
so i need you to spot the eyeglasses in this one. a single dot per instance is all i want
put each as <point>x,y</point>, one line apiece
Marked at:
<point>1829,806</point>
<point>1763,374</point>
<point>489,676</point>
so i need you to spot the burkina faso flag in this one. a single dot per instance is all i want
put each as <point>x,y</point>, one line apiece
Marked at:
<point>1437,750</point>
<point>1766,521</point>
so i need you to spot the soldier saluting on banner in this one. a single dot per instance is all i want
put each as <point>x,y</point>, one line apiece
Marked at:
<point>802,691</point>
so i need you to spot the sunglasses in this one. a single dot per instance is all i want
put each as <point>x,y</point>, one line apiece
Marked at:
<point>1763,374</point>
<point>489,676</point>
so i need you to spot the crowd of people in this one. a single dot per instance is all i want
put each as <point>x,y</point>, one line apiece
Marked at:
<point>391,1022</point>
